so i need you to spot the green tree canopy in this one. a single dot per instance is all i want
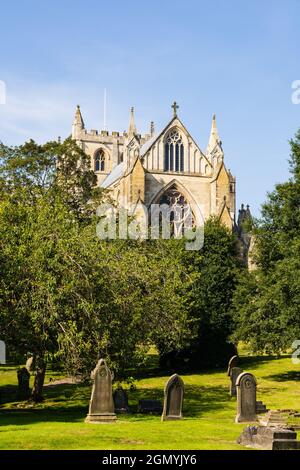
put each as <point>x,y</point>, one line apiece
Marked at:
<point>214,269</point>
<point>267,300</point>
<point>64,292</point>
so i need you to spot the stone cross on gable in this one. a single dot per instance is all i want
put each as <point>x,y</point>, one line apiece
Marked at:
<point>175,107</point>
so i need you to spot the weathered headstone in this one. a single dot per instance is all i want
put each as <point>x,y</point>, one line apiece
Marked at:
<point>246,398</point>
<point>234,373</point>
<point>173,399</point>
<point>150,406</point>
<point>233,362</point>
<point>121,400</point>
<point>269,438</point>
<point>23,383</point>
<point>101,409</point>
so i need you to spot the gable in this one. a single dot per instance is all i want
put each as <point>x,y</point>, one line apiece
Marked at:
<point>225,217</point>
<point>152,152</point>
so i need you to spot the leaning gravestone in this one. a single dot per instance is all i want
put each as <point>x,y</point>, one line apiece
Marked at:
<point>233,362</point>
<point>23,383</point>
<point>121,401</point>
<point>246,398</point>
<point>234,373</point>
<point>101,409</point>
<point>173,399</point>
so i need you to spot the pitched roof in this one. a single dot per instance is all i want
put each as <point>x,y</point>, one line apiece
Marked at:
<point>145,147</point>
<point>113,176</point>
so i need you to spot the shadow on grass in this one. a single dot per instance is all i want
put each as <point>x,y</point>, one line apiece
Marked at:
<point>257,361</point>
<point>8,393</point>
<point>57,408</point>
<point>152,369</point>
<point>284,377</point>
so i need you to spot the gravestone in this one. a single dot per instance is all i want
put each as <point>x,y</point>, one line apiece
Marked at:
<point>233,362</point>
<point>23,383</point>
<point>246,398</point>
<point>121,401</point>
<point>101,409</point>
<point>261,407</point>
<point>269,438</point>
<point>173,399</point>
<point>150,406</point>
<point>234,373</point>
<point>276,418</point>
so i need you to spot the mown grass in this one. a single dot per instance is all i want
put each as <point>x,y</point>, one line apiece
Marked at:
<point>209,411</point>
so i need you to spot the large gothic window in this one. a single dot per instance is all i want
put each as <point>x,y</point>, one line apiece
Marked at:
<point>174,152</point>
<point>180,211</point>
<point>100,160</point>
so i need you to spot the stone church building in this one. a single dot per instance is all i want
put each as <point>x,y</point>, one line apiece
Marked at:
<point>160,167</point>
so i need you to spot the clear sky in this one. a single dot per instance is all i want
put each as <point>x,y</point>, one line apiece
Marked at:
<point>235,58</point>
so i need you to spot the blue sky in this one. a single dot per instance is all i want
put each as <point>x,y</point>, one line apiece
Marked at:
<point>235,58</point>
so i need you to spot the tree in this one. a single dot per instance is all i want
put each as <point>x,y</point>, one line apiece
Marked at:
<point>43,188</point>
<point>266,303</point>
<point>214,269</point>
<point>52,167</point>
<point>65,293</point>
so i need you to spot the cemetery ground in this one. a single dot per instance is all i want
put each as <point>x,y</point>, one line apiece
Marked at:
<point>208,410</point>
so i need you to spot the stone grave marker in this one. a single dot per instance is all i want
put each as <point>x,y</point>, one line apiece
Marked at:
<point>233,362</point>
<point>150,406</point>
<point>261,407</point>
<point>101,409</point>
<point>275,418</point>
<point>246,398</point>
<point>121,400</point>
<point>23,383</point>
<point>234,373</point>
<point>269,438</point>
<point>173,399</point>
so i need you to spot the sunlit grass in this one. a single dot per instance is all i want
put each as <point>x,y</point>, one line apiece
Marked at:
<point>208,422</point>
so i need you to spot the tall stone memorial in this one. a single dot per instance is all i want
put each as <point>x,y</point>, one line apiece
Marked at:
<point>246,398</point>
<point>233,362</point>
<point>101,409</point>
<point>234,373</point>
<point>174,390</point>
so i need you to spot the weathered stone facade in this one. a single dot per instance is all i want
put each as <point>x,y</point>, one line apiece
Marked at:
<point>140,169</point>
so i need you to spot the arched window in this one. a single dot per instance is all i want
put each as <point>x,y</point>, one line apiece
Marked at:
<point>174,152</point>
<point>180,213</point>
<point>100,160</point>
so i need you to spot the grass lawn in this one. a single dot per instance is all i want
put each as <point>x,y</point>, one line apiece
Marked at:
<point>208,421</point>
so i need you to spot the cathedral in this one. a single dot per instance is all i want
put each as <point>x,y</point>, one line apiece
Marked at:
<point>160,167</point>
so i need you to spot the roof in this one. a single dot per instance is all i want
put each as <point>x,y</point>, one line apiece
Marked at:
<point>113,176</point>
<point>145,147</point>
